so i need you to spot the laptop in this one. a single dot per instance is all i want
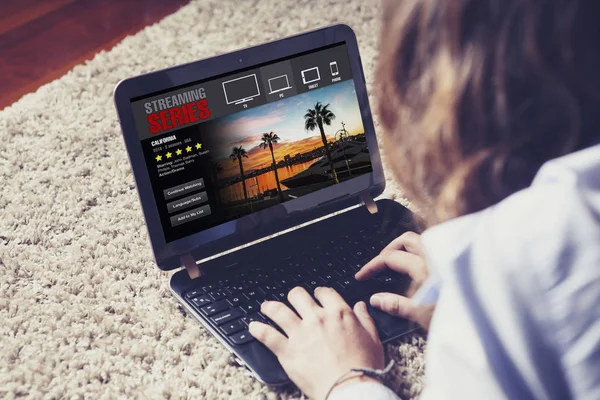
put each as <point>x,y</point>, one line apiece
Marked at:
<point>257,172</point>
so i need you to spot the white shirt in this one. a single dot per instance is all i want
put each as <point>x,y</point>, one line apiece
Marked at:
<point>517,288</point>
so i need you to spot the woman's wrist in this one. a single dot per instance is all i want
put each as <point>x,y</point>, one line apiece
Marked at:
<point>353,379</point>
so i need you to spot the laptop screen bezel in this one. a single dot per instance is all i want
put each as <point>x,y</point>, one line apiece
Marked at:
<point>257,225</point>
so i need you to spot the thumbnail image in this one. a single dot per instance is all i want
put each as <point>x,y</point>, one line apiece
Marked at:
<point>283,150</point>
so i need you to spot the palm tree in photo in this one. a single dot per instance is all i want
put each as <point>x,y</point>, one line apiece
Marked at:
<point>268,140</point>
<point>316,118</point>
<point>237,153</point>
<point>215,169</point>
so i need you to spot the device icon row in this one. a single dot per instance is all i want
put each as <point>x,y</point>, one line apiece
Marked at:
<point>245,88</point>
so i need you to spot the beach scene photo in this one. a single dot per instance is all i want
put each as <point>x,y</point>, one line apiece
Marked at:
<point>286,149</point>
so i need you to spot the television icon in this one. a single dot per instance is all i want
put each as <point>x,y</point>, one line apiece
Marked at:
<point>241,90</point>
<point>279,84</point>
<point>310,75</point>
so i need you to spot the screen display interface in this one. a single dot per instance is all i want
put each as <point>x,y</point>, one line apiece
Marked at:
<point>228,146</point>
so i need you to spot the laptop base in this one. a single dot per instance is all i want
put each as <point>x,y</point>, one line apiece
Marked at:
<point>327,253</point>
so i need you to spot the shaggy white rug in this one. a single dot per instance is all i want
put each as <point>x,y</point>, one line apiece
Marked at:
<point>84,312</point>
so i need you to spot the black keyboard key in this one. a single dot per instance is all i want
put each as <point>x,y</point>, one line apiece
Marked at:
<point>370,286</point>
<point>218,294</point>
<point>202,300</point>
<point>360,289</point>
<point>270,287</point>
<point>340,246</point>
<point>280,295</point>
<point>251,307</point>
<point>234,288</point>
<point>343,269</point>
<point>349,289</point>
<point>286,282</point>
<point>255,293</point>
<point>215,307</point>
<point>232,327</point>
<point>299,275</point>
<point>250,282</point>
<point>387,279</point>
<point>373,248</point>
<point>330,276</point>
<point>236,300</point>
<point>240,338</point>
<point>194,293</point>
<point>329,266</point>
<point>349,295</point>
<point>253,317</point>
<point>309,260</point>
<point>209,288</point>
<point>265,277</point>
<point>327,253</point>
<point>314,283</point>
<point>276,276</point>
<point>226,316</point>
<point>343,259</point>
<point>355,243</point>
<point>294,264</point>
<point>355,264</point>
<point>342,283</point>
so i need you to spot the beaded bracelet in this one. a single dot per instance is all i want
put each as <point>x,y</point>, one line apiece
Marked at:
<point>370,372</point>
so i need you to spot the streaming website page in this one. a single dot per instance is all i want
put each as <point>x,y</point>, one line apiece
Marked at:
<point>232,145</point>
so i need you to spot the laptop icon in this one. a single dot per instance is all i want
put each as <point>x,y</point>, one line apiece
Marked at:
<point>248,202</point>
<point>279,84</point>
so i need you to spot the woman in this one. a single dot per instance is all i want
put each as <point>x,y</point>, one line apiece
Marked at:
<point>491,109</point>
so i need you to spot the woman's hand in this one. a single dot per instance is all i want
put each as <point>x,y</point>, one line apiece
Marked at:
<point>323,341</point>
<point>404,255</point>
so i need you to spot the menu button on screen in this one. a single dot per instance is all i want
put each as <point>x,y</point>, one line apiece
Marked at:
<point>190,215</point>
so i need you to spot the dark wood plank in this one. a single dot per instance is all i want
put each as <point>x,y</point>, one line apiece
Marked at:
<point>14,13</point>
<point>44,48</point>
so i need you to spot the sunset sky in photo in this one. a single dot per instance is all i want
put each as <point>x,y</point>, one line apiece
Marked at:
<point>286,119</point>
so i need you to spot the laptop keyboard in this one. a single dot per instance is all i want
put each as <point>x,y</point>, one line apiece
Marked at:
<point>230,304</point>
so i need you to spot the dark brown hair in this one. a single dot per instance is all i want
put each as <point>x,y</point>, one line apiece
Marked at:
<point>475,95</point>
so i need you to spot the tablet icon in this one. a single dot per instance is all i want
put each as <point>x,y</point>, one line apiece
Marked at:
<point>310,75</point>
<point>279,84</point>
<point>334,68</point>
<point>241,90</point>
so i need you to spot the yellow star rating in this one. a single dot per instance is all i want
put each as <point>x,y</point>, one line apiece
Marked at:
<point>178,152</point>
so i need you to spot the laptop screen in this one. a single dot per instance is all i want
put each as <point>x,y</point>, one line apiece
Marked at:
<point>226,147</point>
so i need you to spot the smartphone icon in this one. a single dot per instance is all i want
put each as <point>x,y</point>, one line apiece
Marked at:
<point>334,68</point>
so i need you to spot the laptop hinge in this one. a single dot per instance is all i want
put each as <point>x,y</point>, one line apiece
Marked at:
<point>191,267</point>
<point>368,201</point>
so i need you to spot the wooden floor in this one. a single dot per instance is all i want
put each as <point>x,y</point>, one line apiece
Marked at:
<point>40,40</point>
